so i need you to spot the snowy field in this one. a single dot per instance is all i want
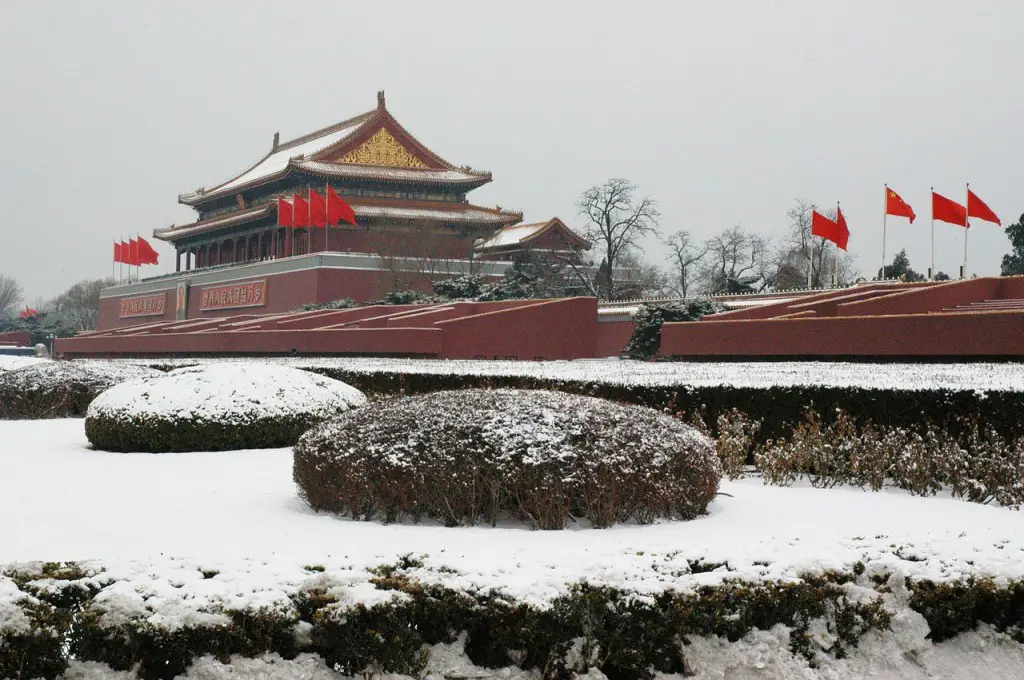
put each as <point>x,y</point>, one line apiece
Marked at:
<point>156,520</point>
<point>969,376</point>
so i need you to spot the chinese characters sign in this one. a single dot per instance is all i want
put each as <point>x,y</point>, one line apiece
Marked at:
<point>250,294</point>
<point>151,305</point>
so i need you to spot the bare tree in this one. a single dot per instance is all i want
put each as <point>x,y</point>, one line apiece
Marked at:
<point>616,221</point>
<point>736,262</point>
<point>638,277</point>
<point>10,295</point>
<point>686,258</point>
<point>79,306</point>
<point>807,250</point>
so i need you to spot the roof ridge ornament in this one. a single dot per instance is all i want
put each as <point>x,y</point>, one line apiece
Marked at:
<point>380,100</point>
<point>277,140</point>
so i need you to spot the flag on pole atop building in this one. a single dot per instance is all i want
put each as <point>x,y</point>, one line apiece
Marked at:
<point>300,212</point>
<point>117,253</point>
<point>284,213</point>
<point>317,209</point>
<point>977,208</point>
<point>338,210</point>
<point>895,205</point>
<point>147,253</point>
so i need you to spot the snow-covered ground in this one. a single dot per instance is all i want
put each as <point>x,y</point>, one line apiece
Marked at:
<point>9,362</point>
<point>156,520</point>
<point>972,376</point>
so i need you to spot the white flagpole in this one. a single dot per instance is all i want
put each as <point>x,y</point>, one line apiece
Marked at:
<point>885,215</point>
<point>967,227</point>
<point>120,276</point>
<point>835,269</point>
<point>931,269</point>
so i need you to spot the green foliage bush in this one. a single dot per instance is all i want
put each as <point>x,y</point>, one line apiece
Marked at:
<point>646,338</point>
<point>541,457</point>
<point>61,389</point>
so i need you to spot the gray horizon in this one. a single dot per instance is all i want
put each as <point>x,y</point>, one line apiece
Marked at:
<point>726,113</point>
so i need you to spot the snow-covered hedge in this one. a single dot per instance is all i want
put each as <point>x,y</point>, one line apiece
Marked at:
<point>391,618</point>
<point>473,456</point>
<point>216,407</point>
<point>61,389</point>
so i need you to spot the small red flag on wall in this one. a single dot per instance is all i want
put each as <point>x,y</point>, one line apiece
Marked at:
<point>977,208</point>
<point>338,210</point>
<point>317,209</point>
<point>945,210</point>
<point>300,213</point>
<point>147,253</point>
<point>284,213</point>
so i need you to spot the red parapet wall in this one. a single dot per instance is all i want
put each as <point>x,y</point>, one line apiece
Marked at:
<point>532,329</point>
<point>16,338</point>
<point>974,318</point>
<point>564,328</point>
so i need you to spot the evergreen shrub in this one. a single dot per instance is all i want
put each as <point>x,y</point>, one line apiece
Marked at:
<point>646,338</point>
<point>473,456</point>
<point>61,389</point>
<point>216,407</point>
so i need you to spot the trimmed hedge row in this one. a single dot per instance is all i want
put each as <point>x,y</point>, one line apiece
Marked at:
<point>779,409</point>
<point>60,389</point>
<point>624,636</point>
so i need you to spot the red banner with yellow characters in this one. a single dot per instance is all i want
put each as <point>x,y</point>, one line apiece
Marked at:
<point>249,294</point>
<point>150,305</point>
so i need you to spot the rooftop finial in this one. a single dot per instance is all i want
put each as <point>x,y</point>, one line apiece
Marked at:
<point>380,99</point>
<point>277,139</point>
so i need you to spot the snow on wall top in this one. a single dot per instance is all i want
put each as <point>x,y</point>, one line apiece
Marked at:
<point>228,390</point>
<point>11,362</point>
<point>981,377</point>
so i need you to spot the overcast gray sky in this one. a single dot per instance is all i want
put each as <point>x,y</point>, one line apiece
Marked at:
<point>724,111</point>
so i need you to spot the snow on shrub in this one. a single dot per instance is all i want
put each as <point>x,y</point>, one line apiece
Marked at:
<point>61,389</point>
<point>472,456</point>
<point>216,407</point>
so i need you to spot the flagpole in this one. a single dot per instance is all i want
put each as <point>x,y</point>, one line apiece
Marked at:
<point>967,227</point>
<point>835,269</point>
<point>327,222</point>
<point>885,215</point>
<point>931,269</point>
<point>120,273</point>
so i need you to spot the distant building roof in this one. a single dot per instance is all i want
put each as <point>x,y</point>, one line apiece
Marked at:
<point>522,235</point>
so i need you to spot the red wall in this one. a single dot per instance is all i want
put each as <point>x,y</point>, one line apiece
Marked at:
<point>555,329</point>
<point>17,338</point>
<point>991,334</point>
<point>612,338</point>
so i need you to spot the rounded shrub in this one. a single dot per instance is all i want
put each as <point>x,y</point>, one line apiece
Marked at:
<point>216,407</point>
<point>472,456</point>
<point>61,389</point>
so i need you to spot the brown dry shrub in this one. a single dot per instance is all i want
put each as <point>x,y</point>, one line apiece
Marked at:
<point>475,456</point>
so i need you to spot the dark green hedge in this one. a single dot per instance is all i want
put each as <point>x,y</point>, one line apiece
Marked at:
<point>630,637</point>
<point>779,408</point>
<point>154,434</point>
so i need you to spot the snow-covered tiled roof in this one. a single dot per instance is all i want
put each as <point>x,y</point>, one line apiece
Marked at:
<point>237,217</point>
<point>511,236</point>
<point>422,175</point>
<point>277,160</point>
<point>470,213</point>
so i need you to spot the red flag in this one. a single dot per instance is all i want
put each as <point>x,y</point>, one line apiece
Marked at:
<point>146,252</point>
<point>284,213</point>
<point>300,213</point>
<point>338,209</point>
<point>126,253</point>
<point>133,250</point>
<point>823,226</point>
<point>945,210</point>
<point>977,208</point>
<point>894,205</point>
<point>317,209</point>
<point>117,253</point>
<point>843,230</point>
<point>28,313</point>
